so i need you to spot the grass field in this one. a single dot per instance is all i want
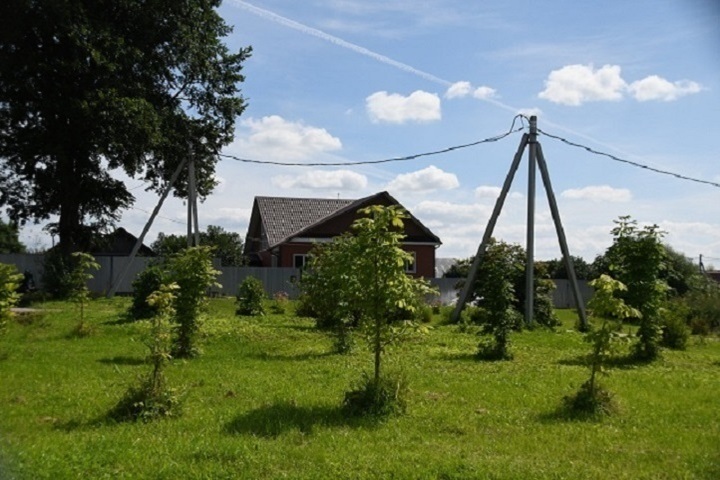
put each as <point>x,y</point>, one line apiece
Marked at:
<point>263,401</point>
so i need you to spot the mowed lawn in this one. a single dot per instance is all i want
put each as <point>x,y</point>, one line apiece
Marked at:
<point>263,401</point>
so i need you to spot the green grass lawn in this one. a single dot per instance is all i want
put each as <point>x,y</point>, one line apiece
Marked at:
<point>263,401</point>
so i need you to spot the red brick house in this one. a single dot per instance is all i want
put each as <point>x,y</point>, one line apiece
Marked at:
<point>282,230</point>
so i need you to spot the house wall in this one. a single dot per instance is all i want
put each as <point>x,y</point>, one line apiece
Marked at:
<point>424,257</point>
<point>424,260</point>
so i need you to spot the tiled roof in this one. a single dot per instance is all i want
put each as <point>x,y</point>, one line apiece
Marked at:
<point>282,217</point>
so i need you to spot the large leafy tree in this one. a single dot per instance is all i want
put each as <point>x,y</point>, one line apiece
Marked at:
<point>91,86</point>
<point>227,246</point>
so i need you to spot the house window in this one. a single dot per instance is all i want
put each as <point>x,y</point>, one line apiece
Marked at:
<point>299,260</point>
<point>411,265</point>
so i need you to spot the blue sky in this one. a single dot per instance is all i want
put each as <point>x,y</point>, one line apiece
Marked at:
<point>362,80</point>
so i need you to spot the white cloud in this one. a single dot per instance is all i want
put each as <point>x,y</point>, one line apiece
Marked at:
<point>530,112</point>
<point>419,106</point>
<point>657,88</point>
<point>322,179</point>
<point>463,89</point>
<point>276,138</point>
<point>577,84</point>
<point>458,90</point>
<point>488,191</point>
<point>425,180</point>
<point>598,193</point>
<point>447,212</point>
<point>484,92</point>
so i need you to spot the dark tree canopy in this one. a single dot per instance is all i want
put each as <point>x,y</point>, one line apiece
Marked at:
<point>227,246</point>
<point>90,86</point>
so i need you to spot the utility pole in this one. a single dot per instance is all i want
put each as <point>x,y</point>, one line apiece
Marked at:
<point>536,159</point>
<point>148,224</point>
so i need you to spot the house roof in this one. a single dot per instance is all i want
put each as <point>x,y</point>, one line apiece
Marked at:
<point>283,217</point>
<point>278,219</point>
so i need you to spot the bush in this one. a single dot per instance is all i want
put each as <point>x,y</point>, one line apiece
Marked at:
<point>10,279</point>
<point>377,399</point>
<point>148,281</point>
<point>675,333</point>
<point>152,398</point>
<point>146,402</point>
<point>250,297</point>
<point>280,303</point>
<point>194,274</point>
<point>590,400</point>
<point>57,274</point>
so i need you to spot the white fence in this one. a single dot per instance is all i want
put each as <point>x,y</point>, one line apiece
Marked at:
<point>274,279</point>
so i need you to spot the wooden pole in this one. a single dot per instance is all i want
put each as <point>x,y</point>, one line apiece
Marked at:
<point>530,231</point>
<point>149,223</point>
<point>561,237</point>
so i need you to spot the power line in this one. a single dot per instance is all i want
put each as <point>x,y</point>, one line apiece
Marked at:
<point>630,162</point>
<point>386,160</point>
<point>159,216</point>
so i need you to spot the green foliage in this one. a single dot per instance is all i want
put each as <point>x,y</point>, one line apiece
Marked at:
<point>675,331</point>
<point>194,274</point>
<point>251,297</point>
<point>9,282</point>
<point>280,303</point>
<point>606,306</point>
<point>79,291</point>
<point>511,260</point>
<point>10,238</point>
<point>56,276</point>
<point>590,400</point>
<point>128,85</point>
<point>377,397</point>
<point>227,246</point>
<point>359,281</point>
<point>151,398</point>
<point>704,307</point>
<point>636,258</point>
<point>583,270</point>
<point>148,281</point>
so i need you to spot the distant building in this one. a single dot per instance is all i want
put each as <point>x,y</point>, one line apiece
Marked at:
<point>283,230</point>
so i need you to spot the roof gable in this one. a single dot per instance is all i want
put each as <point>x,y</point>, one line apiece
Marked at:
<point>275,220</point>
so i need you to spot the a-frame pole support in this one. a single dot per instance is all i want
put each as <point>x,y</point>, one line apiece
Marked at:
<point>537,160</point>
<point>193,233</point>
<point>148,224</point>
<point>569,266</point>
<point>470,281</point>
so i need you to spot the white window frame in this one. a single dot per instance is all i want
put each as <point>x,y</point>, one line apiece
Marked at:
<point>304,257</point>
<point>411,267</point>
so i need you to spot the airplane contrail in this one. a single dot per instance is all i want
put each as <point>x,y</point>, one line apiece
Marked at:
<point>273,17</point>
<point>284,21</point>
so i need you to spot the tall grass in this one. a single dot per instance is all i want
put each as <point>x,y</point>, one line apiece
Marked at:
<point>264,401</point>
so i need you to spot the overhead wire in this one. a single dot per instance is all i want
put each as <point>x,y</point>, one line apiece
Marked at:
<point>495,138</point>
<point>629,162</point>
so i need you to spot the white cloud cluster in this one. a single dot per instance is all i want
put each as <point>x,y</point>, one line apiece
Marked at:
<point>598,193</point>
<point>463,89</point>
<point>577,84</point>
<point>425,180</point>
<point>488,191</point>
<point>657,88</point>
<point>276,138</point>
<point>419,106</point>
<point>322,180</point>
